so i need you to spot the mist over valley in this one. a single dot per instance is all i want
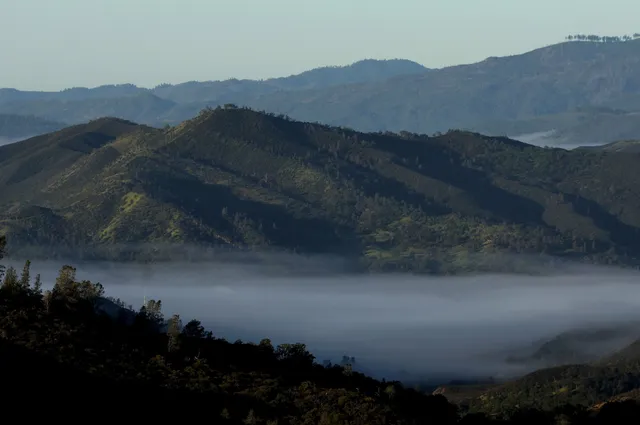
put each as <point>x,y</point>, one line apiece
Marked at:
<point>419,329</point>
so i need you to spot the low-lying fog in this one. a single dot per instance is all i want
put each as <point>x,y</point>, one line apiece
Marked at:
<point>396,326</point>
<point>550,139</point>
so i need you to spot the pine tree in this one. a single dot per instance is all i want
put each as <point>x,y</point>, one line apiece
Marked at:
<point>37,284</point>
<point>10,278</point>
<point>173,333</point>
<point>25,278</point>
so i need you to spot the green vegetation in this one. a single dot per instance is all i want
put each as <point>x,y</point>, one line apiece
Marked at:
<point>548,389</point>
<point>76,346</point>
<point>240,179</point>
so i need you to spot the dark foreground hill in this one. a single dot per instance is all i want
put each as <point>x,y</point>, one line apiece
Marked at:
<point>236,178</point>
<point>56,342</point>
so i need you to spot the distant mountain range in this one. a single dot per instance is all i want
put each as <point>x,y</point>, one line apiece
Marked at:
<point>575,93</point>
<point>174,103</point>
<point>234,178</point>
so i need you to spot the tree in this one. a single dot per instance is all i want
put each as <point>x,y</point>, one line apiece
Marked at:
<point>194,329</point>
<point>66,276</point>
<point>37,285</point>
<point>10,279</point>
<point>70,294</point>
<point>150,316</point>
<point>154,310</point>
<point>390,391</point>
<point>25,278</point>
<point>174,330</point>
<point>266,345</point>
<point>296,354</point>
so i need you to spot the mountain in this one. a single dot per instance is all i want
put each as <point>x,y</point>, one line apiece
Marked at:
<point>579,89</point>
<point>545,81</point>
<point>8,95</point>
<point>16,127</point>
<point>174,103</point>
<point>234,178</point>
<point>218,92</point>
<point>142,107</point>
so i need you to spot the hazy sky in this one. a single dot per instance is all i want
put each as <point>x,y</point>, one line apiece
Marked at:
<point>47,44</point>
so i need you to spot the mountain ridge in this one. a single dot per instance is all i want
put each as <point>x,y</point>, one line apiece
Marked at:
<point>549,81</point>
<point>240,178</point>
<point>372,67</point>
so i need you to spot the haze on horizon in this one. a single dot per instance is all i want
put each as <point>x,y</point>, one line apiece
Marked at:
<point>70,43</point>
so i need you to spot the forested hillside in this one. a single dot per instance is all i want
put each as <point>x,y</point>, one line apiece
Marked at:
<point>241,179</point>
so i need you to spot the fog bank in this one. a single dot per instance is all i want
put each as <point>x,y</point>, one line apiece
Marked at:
<point>396,326</point>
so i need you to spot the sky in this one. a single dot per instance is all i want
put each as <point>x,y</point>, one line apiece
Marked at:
<point>51,45</point>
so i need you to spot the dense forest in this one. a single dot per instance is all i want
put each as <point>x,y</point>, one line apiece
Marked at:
<point>72,345</point>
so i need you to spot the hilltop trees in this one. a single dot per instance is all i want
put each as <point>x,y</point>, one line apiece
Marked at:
<point>602,38</point>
